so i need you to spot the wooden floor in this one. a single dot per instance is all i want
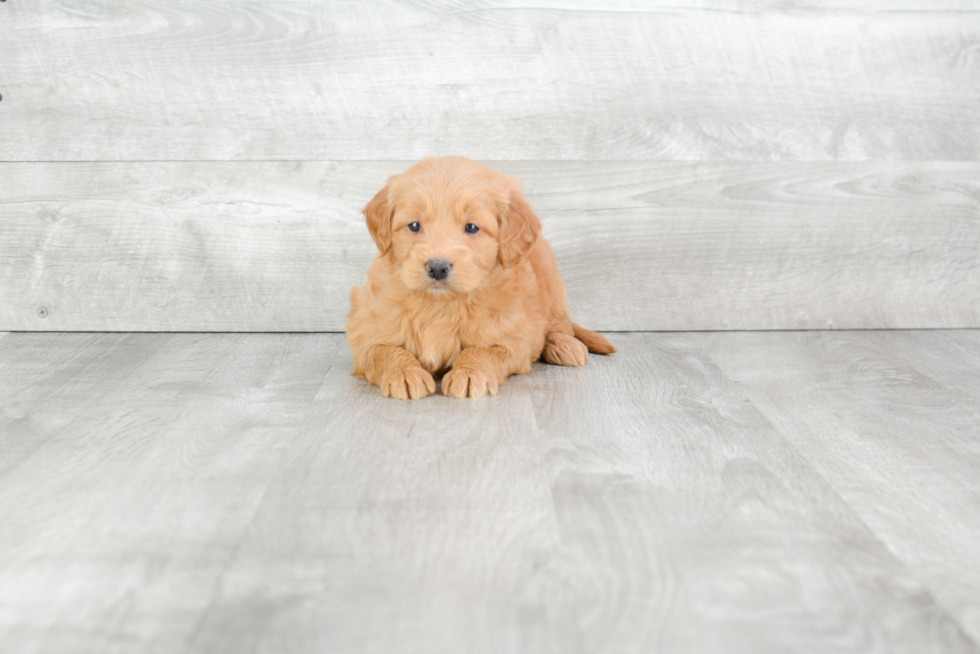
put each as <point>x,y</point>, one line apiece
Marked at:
<point>696,492</point>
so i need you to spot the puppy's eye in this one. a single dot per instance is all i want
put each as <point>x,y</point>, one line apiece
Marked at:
<point>414,226</point>
<point>471,228</point>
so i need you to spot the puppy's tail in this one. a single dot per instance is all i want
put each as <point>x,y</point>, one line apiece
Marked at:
<point>596,343</point>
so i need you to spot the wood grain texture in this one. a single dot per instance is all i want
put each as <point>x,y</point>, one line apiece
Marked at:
<point>644,447</point>
<point>951,358</point>
<point>117,528</point>
<point>267,246</point>
<point>212,80</point>
<point>393,527</point>
<point>48,380</point>
<point>891,420</point>
<point>244,493</point>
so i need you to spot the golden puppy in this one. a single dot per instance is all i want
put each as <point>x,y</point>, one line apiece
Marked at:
<point>463,283</point>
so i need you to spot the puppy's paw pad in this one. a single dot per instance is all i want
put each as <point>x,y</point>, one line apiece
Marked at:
<point>463,383</point>
<point>408,383</point>
<point>565,350</point>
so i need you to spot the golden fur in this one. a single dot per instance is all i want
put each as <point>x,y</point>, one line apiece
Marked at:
<point>501,307</point>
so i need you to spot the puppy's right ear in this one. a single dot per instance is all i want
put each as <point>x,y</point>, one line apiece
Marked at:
<point>378,214</point>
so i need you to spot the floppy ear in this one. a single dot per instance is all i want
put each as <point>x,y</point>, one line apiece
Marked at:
<point>519,229</point>
<point>378,214</point>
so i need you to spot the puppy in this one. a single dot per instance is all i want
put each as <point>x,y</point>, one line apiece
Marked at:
<point>463,284</point>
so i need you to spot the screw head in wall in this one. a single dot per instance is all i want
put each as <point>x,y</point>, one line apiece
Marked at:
<point>42,312</point>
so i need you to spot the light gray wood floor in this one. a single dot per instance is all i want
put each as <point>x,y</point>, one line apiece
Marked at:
<point>696,492</point>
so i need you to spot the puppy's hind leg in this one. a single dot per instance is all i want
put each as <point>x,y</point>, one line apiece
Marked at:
<point>564,350</point>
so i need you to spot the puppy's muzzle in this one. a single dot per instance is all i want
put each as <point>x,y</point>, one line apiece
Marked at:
<point>438,268</point>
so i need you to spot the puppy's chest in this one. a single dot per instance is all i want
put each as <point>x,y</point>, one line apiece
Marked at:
<point>436,340</point>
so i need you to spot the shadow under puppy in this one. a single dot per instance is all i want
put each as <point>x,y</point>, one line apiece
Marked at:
<point>463,284</point>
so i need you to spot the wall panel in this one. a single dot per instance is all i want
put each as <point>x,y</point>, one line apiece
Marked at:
<point>375,80</point>
<point>276,246</point>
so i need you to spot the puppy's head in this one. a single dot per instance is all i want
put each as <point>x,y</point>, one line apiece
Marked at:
<point>446,223</point>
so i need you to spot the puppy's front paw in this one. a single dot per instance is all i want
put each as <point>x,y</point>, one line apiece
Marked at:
<point>462,382</point>
<point>406,383</point>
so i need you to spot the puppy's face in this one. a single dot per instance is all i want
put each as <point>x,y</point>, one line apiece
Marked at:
<point>446,223</point>
<point>443,237</point>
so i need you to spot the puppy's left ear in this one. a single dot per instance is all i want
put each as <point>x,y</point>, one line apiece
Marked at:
<point>378,214</point>
<point>519,229</point>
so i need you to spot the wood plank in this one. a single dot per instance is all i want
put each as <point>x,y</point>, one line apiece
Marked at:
<point>184,246</point>
<point>191,80</point>
<point>899,445</point>
<point>766,246</point>
<point>117,529</point>
<point>276,246</point>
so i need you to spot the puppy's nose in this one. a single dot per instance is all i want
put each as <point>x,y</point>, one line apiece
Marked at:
<point>438,268</point>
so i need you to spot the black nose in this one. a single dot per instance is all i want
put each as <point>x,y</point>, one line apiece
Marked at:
<point>438,268</point>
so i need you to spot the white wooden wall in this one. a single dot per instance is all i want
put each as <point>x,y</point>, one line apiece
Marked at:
<point>698,164</point>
